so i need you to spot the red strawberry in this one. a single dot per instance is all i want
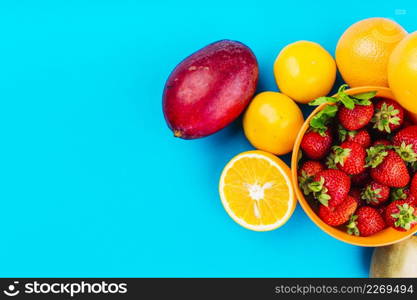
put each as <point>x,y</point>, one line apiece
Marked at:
<point>389,116</point>
<point>362,137</point>
<point>413,186</point>
<point>366,222</point>
<point>340,214</point>
<point>316,145</point>
<point>400,215</point>
<point>307,172</point>
<point>348,157</point>
<point>356,118</point>
<point>375,193</point>
<point>382,142</point>
<point>330,187</point>
<point>361,179</point>
<point>387,167</point>
<point>406,142</point>
<point>411,200</point>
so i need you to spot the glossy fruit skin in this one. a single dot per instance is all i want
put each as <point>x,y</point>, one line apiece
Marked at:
<point>364,49</point>
<point>369,221</point>
<point>362,137</point>
<point>311,168</point>
<point>392,171</point>
<point>392,208</point>
<point>402,72</point>
<point>340,214</point>
<point>316,146</point>
<point>396,106</point>
<point>407,135</point>
<point>272,121</point>
<point>304,71</point>
<point>210,89</point>
<point>354,162</point>
<point>337,183</point>
<point>356,118</point>
<point>375,193</point>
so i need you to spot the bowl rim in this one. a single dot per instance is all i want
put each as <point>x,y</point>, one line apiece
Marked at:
<point>386,237</point>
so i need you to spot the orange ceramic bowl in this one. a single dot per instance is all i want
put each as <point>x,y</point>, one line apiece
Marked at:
<point>383,238</point>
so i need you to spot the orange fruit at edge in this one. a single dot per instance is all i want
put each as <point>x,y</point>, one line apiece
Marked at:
<point>402,73</point>
<point>363,51</point>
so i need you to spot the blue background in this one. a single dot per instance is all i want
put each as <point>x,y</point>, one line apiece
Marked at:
<point>92,181</point>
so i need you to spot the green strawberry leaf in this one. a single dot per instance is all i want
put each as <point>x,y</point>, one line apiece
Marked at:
<point>340,155</point>
<point>330,161</point>
<point>352,227</point>
<point>320,121</point>
<point>405,217</point>
<point>406,152</point>
<point>398,194</point>
<point>322,100</point>
<point>364,98</point>
<point>384,117</point>
<point>376,155</point>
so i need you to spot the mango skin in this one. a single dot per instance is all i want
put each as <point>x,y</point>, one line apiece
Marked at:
<point>210,89</point>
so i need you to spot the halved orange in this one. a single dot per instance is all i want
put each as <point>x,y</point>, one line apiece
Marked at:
<point>256,191</point>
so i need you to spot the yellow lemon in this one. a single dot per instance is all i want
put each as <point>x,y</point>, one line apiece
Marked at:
<point>256,191</point>
<point>271,122</point>
<point>402,72</point>
<point>304,71</point>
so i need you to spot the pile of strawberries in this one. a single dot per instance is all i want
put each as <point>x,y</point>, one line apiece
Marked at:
<point>358,163</point>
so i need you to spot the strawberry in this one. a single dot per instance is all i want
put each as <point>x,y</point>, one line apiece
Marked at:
<point>316,145</point>
<point>375,193</point>
<point>400,215</point>
<point>307,172</point>
<point>387,167</point>
<point>356,118</point>
<point>382,142</point>
<point>366,222</point>
<point>340,214</point>
<point>413,186</point>
<point>412,200</point>
<point>389,116</point>
<point>406,142</point>
<point>354,111</point>
<point>362,137</point>
<point>348,157</point>
<point>330,187</point>
<point>361,179</point>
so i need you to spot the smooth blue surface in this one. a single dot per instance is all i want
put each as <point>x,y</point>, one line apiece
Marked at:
<point>92,183</point>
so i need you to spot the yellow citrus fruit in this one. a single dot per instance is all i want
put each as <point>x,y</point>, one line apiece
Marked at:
<point>363,51</point>
<point>256,191</point>
<point>271,122</point>
<point>304,71</point>
<point>402,72</point>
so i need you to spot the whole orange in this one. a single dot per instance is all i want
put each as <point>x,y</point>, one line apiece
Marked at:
<point>363,51</point>
<point>402,72</point>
